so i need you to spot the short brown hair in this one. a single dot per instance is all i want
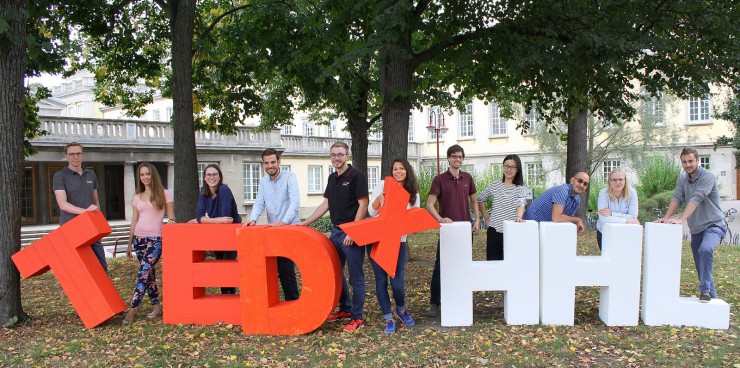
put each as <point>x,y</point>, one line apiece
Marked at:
<point>690,151</point>
<point>340,144</point>
<point>270,152</point>
<point>71,144</point>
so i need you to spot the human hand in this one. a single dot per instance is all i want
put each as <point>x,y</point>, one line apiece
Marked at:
<point>446,220</point>
<point>91,207</point>
<point>605,212</point>
<point>347,241</point>
<point>380,200</point>
<point>250,223</point>
<point>279,223</point>
<point>581,227</point>
<point>225,220</point>
<point>519,219</point>
<point>193,221</point>
<point>633,221</point>
<point>673,221</point>
<point>476,227</point>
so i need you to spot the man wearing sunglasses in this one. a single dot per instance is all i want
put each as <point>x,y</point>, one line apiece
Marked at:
<point>560,203</point>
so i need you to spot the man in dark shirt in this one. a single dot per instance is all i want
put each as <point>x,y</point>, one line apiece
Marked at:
<point>346,199</point>
<point>455,191</point>
<point>76,191</point>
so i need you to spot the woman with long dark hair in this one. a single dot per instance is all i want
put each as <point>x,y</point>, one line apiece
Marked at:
<point>403,173</point>
<point>149,205</point>
<point>216,205</point>
<point>509,198</point>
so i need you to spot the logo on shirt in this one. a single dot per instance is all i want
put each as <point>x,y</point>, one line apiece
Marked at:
<point>89,181</point>
<point>345,183</point>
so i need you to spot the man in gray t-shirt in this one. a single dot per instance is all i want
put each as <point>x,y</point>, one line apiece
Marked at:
<point>76,191</point>
<point>697,187</point>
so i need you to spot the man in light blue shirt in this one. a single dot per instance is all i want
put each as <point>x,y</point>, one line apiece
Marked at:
<point>560,203</point>
<point>278,194</point>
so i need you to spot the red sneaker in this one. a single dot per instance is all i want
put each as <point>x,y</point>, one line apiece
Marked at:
<point>337,316</point>
<point>354,325</point>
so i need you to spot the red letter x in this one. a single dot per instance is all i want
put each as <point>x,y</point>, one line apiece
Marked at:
<point>386,230</point>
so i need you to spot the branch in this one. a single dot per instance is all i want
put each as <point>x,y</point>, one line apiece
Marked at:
<point>375,118</point>
<point>460,39</point>
<point>219,18</point>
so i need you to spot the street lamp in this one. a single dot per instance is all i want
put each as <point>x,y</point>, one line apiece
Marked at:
<point>437,125</point>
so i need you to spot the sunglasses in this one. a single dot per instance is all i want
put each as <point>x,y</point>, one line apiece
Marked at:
<point>581,181</point>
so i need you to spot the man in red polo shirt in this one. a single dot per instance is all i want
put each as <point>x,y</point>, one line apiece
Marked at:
<point>455,191</point>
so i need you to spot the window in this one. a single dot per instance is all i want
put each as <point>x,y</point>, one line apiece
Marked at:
<point>314,179</point>
<point>466,122</point>
<point>653,110</point>
<point>467,168</point>
<point>286,130</point>
<point>535,174</point>
<point>168,113</point>
<point>155,115</point>
<point>284,167</point>
<point>608,166</point>
<point>533,121</point>
<point>373,176</point>
<point>376,131</point>
<point>699,109</point>
<point>308,129</point>
<point>498,123</point>
<point>332,169</point>
<point>252,174</point>
<point>28,200</point>
<point>331,129</point>
<point>704,161</point>
<point>411,128</point>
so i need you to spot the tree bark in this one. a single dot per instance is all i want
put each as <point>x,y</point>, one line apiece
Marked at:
<point>182,21</point>
<point>578,151</point>
<point>358,127</point>
<point>396,88</point>
<point>12,92</point>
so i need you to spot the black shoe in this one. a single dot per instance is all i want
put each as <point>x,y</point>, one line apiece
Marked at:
<point>432,311</point>
<point>704,297</point>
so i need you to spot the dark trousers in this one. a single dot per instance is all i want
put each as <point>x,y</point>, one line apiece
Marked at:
<point>100,254</point>
<point>598,238</point>
<point>230,255</point>
<point>435,289</point>
<point>494,245</point>
<point>286,274</point>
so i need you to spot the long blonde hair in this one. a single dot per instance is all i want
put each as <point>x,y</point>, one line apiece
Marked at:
<point>625,192</point>
<point>157,197</point>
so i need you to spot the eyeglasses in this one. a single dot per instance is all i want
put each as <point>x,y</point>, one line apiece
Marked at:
<point>585,183</point>
<point>76,154</point>
<point>211,175</point>
<point>509,167</point>
<point>338,155</point>
<point>459,157</point>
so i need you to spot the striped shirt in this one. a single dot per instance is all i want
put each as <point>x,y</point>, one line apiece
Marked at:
<point>506,200</point>
<point>541,208</point>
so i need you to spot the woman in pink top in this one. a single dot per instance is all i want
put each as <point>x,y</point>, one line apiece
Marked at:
<point>149,205</point>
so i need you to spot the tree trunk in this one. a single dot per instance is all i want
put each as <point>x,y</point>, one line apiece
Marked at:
<point>358,127</point>
<point>578,151</point>
<point>12,93</point>
<point>396,75</point>
<point>182,23</point>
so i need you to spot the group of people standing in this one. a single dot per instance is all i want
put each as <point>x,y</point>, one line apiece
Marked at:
<point>452,197</point>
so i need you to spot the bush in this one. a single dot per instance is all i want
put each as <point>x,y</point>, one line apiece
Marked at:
<point>595,185</point>
<point>425,176</point>
<point>652,207</point>
<point>657,175</point>
<point>323,224</point>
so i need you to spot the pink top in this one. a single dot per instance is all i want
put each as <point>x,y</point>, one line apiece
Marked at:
<point>150,219</point>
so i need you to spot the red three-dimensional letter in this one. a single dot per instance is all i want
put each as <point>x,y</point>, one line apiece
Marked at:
<point>315,256</point>
<point>186,274</point>
<point>66,251</point>
<point>393,221</point>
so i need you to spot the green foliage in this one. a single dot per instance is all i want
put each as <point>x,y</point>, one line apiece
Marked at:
<point>31,124</point>
<point>595,185</point>
<point>654,206</point>
<point>425,176</point>
<point>323,224</point>
<point>730,112</point>
<point>658,174</point>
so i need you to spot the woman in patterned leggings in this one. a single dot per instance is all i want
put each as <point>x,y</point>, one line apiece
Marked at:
<point>149,205</point>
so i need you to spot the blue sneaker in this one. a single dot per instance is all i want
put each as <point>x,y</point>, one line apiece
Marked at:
<point>405,317</point>
<point>390,327</point>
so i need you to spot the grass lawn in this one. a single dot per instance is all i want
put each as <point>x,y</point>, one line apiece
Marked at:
<point>56,337</point>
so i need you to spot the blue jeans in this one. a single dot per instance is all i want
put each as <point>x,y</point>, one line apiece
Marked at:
<point>702,247</point>
<point>381,283</point>
<point>337,237</point>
